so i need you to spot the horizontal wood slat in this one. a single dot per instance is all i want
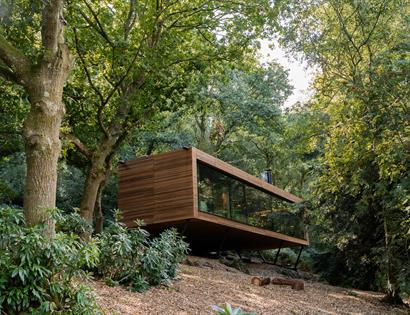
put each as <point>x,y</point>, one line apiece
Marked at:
<point>157,188</point>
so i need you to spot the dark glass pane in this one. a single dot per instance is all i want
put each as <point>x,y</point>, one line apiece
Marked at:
<point>225,196</point>
<point>238,201</point>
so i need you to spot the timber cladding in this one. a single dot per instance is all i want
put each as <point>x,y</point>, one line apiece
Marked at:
<point>162,190</point>
<point>157,188</point>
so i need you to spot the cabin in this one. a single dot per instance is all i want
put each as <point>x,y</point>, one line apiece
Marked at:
<point>215,205</point>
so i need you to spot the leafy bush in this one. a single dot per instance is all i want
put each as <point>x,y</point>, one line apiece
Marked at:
<point>162,257</point>
<point>129,258</point>
<point>42,275</point>
<point>72,223</point>
<point>228,310</point>
<point>121,253</point>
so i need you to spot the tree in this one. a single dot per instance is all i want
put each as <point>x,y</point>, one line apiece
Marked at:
<point>41,65</point>
<point>362,51</point>
<point>237,99</point>
<point>136,58</point>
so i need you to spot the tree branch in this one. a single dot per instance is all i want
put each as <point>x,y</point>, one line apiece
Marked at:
<point>132,17</point>
<point>87,72</point>
<point>9,75</point>
<point>52,26</point>
<point>14,59</point>
<point>81,147</point>
<point>99,27</point>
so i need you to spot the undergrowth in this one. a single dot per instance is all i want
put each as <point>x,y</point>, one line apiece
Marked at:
<point>46,275</point>
<point>129,258</point>
<point>43,275</point>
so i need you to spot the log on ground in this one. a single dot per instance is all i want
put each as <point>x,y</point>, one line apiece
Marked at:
<point>295,284</point>
<point>260,281</point>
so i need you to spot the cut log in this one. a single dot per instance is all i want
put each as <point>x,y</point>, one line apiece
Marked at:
<point>260,281</point>
<point>295,284</point>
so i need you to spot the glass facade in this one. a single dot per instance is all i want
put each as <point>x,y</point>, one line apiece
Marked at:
<point>225,196</point>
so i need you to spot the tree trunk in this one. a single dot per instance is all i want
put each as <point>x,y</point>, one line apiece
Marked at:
<point>95,177</point>
<point>43,79</point>
<point>393,287</point>
<point>99,216</point>
<point>42,137</point>
<point>42,144</point>
<point>100,159</point>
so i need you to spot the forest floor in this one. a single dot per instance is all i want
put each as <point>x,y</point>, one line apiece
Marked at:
<point>202,283</point>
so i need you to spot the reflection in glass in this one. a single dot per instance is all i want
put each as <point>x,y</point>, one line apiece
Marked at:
<point>225,196</point>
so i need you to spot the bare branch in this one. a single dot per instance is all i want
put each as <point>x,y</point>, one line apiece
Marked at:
<point>379,13</point>
<point>122,79</point>
<point>344,29</point>
<point>102,103</point>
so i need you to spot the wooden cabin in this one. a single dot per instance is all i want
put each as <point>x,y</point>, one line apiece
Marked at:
<point>212,203</point>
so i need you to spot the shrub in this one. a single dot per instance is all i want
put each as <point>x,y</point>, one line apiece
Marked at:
<point>72,223</point>
<point>228,310</point>
<point>129,258</point>
<point>121,252</point>
<point>162,257</point>
<point>42,275</point>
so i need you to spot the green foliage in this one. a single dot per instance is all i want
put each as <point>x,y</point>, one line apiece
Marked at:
<point>121,252</point>
<point>12,176</point>
<point>69,186</point>
<point>162,257</point>
<point>167,72</point>
<point>129,258</point>
<point>42,275</point>
<point>12,112</point>
<point>12,179</point>
<point>72,223</point>
<point>235,103</point>
<point>362,92</point>
<point>142,64</point>
<point>228,310</point>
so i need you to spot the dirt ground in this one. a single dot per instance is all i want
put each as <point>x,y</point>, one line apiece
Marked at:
<point>206,282</point>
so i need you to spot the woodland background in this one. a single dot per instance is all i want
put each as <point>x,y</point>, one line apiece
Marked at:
<point>153,76</point>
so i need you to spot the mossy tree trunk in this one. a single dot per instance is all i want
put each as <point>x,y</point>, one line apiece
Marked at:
<point>98,211</point>
<point>94,184</point>
<point>43,80</point>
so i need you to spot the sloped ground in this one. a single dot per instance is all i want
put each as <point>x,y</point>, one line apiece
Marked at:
<point>205,282</point>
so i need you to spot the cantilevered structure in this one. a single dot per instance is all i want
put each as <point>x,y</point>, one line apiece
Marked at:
<point>214,204</point>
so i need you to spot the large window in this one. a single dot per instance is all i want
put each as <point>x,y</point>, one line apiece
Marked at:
<point>225,196</point>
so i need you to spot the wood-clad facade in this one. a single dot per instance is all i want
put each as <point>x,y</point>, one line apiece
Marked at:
<point>162,190</point>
